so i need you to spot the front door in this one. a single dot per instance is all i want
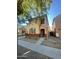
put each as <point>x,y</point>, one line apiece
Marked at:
<point>42,32</point>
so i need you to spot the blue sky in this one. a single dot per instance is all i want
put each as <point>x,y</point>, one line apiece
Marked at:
<point>55,10</point>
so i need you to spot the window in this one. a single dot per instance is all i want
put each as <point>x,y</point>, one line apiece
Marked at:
<point>42,21</point>
<point>32,30</point>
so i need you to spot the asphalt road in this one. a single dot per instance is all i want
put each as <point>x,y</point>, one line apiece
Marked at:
<point>22,54</point>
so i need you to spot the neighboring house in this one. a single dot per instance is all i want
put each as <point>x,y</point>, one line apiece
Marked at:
<point>56,26</point>
<point>38,26</point>
<point>21,24</point>
<point>20,29</point>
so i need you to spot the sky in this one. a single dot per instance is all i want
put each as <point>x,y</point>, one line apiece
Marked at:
<point>55,10</point>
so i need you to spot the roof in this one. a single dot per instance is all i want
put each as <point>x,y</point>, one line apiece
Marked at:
<point>56,18</point>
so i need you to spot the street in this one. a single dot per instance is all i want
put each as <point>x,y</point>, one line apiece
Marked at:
<point>31,55</point>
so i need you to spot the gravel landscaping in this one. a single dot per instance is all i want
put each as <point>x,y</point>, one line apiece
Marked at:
<point>52,42</point>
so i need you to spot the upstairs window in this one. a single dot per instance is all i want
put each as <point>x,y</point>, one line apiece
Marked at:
<point>42,21</point>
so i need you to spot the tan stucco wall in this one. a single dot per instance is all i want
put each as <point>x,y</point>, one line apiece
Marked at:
<point>33,25</point>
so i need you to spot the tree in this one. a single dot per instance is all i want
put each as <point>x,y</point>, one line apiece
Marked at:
<point>33,8</point>
<point>19,7</point>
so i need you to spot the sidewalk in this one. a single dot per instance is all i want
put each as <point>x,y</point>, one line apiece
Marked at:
<point>40,41</point>
<point>27,40</point>
<point>48,51</point>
